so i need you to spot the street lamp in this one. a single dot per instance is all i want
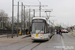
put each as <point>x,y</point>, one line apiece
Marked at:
<point>47,15</point>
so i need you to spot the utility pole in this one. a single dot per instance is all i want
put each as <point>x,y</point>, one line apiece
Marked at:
<point>26,24</point>
<point>17,19</point>
<point>29,20</point>
<point>2,22</point>
<point>12,16</point>
<point>21,15</point>
<point>24,20</point>
<point>40,10</point>
<point>33,12</point>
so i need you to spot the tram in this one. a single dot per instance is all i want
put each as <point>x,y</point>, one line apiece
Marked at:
<point>40,29</point>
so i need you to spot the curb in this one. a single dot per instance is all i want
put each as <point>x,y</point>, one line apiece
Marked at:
<point>26,36</point>
<point>3,36</point>
<point>21,37</point>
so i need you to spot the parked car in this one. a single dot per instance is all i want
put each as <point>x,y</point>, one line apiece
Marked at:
<point>64,31</point>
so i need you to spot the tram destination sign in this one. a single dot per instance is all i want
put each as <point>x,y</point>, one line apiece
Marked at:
<point>38,20</point>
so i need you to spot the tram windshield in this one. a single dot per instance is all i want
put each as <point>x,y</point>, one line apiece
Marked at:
<point>38,27</point>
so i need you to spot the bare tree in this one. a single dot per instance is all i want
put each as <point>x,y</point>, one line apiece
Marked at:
<point>4,15</point>
<point>3,18</point>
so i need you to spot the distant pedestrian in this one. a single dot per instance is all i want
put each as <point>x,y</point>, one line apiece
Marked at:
<point>26,31</point>
<point>57,31</point>
<point>60,32</point>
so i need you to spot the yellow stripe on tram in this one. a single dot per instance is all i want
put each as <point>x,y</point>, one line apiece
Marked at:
<point>37,35</point>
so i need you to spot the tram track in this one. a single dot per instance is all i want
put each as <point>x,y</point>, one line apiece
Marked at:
<point>35,46</point>
<point>13,43</point>
<point>34,43</point>
<point>24,46</point>
<point>31,44</point>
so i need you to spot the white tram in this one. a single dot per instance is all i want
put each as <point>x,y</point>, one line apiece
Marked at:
<point>40,29</point>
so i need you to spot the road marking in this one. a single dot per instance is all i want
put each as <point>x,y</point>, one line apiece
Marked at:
<point>63,43</point>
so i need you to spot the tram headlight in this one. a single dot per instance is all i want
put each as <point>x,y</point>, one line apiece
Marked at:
<point>41,35</point>
<point>33,35</point>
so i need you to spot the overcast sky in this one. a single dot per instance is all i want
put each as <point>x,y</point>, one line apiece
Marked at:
<point>63,10</point>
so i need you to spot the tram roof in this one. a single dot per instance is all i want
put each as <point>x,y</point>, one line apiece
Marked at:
<point>39,18</point>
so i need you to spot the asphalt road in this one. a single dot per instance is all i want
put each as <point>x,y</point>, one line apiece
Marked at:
<point>57,42</point>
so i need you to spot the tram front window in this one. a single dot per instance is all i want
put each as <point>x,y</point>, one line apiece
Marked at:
<point>38,27</point>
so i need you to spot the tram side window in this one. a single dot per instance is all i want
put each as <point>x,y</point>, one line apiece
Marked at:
<point>47,31</point>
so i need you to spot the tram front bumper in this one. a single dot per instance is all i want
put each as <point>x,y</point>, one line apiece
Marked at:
<point>39,38</point>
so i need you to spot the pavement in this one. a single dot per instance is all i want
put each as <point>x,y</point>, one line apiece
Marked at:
<point>72,33</point>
